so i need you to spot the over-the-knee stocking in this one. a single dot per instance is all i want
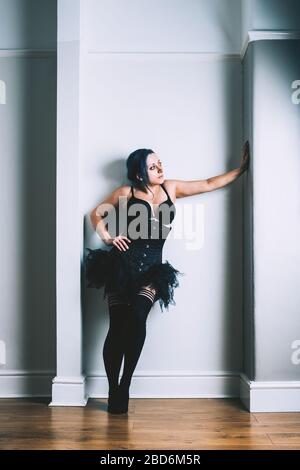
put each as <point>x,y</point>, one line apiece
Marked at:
<point>136,334</point>
<point>113,348</point>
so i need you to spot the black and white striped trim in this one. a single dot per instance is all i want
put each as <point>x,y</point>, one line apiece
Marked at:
<point>115,299</point>
<point>147,293</point>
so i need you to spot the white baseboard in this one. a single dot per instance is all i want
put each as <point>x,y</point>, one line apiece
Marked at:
<point>69,391</point>
<point>26,383</point>
<point>64,391</point>
<point>257,396</point>
<point>166,384</point>
<point>175,384</point>
<point>270,396</point>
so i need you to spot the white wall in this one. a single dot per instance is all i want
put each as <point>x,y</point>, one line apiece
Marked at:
<point>187,107</point>
<point>269,15</point>
<point>276,208</point>
<point>163,25</point>
<point>248,267</point>
<point>28,146</point>
<point>246,19</point>
<point>271,223</point>
<point>275,15</point>
<point>28,24</point>
<point>186,104</point>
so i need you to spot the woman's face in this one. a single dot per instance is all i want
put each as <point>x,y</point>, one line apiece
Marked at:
<point>155,170</point>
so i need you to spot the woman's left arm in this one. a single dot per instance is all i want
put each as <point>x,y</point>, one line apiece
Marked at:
<point>190,188</point>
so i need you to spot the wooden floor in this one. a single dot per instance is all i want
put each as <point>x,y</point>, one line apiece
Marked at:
<point>28,423</point>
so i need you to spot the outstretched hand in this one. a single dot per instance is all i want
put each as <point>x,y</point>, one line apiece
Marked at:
<point>245,157</point>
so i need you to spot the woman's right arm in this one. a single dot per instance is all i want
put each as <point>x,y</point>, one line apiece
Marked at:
<point>98,215</point>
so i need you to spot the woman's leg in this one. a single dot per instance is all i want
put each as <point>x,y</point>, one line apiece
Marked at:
<point>135,337</point>
<point>113,349</point>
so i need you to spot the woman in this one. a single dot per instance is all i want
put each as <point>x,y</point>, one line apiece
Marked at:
<point>132,272</point>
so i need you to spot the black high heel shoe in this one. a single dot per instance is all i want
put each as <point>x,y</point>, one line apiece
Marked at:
<point>112,401</point>
<point>118,401</point>
<point>123,399</point>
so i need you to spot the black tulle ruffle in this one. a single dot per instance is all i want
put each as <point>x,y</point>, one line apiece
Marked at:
<point>103,268</point>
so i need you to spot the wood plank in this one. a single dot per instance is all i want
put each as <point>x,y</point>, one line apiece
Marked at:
<point>279,418</point>
<point>285,438</point>
<point>150,424</point>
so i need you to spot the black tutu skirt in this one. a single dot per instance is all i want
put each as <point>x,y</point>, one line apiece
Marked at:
<point>107,269</point>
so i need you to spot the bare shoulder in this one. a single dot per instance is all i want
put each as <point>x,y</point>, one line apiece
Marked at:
<point>113,197</point>
<point>170,186</point>
<point>124,190</point>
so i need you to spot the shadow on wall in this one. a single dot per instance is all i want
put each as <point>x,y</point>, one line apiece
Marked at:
<point>276,14</point>
<point>28,132</point>
<point>94,306</point>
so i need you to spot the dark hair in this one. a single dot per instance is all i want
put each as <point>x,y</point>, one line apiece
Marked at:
<point>137,165</point>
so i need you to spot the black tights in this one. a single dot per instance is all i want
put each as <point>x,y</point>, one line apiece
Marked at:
<point>126,335</point>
